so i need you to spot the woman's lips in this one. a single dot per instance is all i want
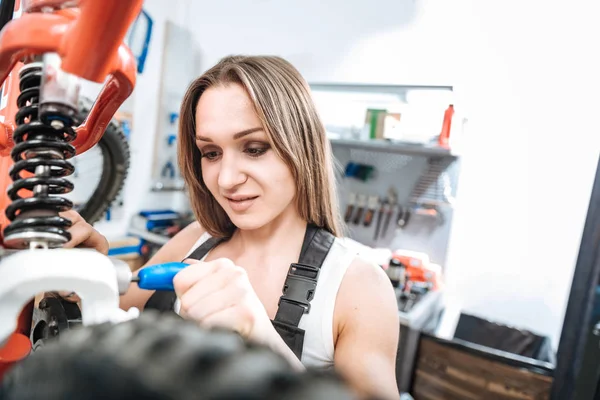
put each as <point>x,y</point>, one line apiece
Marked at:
<point>241,204</point>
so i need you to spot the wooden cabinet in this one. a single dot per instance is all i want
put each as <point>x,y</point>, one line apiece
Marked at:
<point>456,370</point>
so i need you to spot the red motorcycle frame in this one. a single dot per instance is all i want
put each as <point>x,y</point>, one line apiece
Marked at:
<point>88,36</point>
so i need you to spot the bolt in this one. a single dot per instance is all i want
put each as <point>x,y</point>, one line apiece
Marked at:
<point>53,326</point>
<point>56,124</point>
<point>596,330</point>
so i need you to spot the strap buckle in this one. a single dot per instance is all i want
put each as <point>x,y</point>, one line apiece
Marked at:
<point>300,285</point>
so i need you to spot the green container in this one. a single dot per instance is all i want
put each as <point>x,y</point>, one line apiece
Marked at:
<point>375,119</point>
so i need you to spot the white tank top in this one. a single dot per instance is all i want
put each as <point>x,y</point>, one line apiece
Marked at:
<point>318,347</point>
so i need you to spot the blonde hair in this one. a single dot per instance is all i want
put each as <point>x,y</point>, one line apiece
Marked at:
<point>284,105</point>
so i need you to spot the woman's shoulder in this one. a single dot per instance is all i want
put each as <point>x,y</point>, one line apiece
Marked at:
<point>365,283</point>
<point>365,273</point>
<point>361,272</point>
<point>190,234</point>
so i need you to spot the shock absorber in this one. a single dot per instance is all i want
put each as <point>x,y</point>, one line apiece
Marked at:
<point>47,107</point>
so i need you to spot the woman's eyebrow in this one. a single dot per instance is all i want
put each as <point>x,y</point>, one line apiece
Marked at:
<point>235,137</point>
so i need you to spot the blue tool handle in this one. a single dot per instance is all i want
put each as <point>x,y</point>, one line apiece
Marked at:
<point>159,276</point>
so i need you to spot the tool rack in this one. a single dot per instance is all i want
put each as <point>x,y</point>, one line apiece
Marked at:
<point>423,177</point>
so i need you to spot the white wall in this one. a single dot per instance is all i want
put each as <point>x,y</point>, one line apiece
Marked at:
<point>531,83</point>
<point>336,40</point>
<point>520,70</point>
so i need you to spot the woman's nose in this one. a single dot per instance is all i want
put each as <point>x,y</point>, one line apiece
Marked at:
<point>230,174</point>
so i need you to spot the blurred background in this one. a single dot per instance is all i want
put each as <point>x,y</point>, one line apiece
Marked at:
<point>469,126</point>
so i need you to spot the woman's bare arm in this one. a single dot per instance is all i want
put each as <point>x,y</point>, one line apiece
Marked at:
<point>366,316</point>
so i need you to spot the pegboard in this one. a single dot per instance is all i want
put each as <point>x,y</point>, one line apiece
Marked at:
<point>417,178</point>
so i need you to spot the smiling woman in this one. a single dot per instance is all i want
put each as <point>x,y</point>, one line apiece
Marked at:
<point>253,105</point>
<point>240,171</point>
<point>266,258</point>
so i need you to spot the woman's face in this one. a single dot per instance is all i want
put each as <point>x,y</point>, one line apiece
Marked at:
<point>252,184</point>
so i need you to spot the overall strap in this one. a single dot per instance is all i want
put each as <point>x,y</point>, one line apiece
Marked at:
<point>200,251</point>
<point>301,280</point>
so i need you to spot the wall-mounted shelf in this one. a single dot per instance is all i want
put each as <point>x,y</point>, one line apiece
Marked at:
<point>168,187</point>
<point>400,90</point>
<point>388,146</point>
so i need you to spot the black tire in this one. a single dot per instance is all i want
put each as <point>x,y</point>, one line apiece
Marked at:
<point>116,158</point>
<point>160,357</point>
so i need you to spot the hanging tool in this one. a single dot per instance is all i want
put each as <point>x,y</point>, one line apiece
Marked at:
<point>350,207</point>
<point>382,209</point>
<point>403,216</point>
<point>361,204</point>
<point>392,200</point>
<point>168,170</point>
<point>371,207</point>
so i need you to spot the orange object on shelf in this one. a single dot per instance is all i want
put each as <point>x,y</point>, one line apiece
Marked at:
<point>419,268</point>
<point>444,139</point>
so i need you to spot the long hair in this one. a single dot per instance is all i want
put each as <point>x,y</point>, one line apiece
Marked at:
<point>283,103</point>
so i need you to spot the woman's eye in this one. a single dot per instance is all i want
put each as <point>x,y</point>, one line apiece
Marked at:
<point>256,151</point>
<point>210,155</point>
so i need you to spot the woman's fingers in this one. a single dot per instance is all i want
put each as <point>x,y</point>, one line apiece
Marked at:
<point>211,283</point>
<point>196,272</point>
<point>72,215</point>
<point>219,293</point>
<point>214,302</point>
<point>69,296</point>
<point>83,234</point>
<point>65,295</point>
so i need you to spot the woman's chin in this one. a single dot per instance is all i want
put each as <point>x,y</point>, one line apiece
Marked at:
<point>247,223</point>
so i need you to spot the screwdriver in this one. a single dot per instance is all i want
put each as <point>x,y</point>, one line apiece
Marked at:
<point>158,276</point>
<point>152,277</point>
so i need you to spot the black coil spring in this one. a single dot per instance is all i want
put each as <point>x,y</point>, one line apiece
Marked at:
<point>42,149</point>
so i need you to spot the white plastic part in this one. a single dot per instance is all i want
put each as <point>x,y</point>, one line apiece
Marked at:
<point>90,274</point>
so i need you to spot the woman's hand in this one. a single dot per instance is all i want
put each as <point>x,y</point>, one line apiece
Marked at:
<point>219,294</point>
<point>83,234</point>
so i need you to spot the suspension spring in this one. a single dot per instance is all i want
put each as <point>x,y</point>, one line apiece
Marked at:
<point>42,148</point>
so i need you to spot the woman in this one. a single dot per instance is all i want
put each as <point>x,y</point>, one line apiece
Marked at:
<point>258,166</point>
